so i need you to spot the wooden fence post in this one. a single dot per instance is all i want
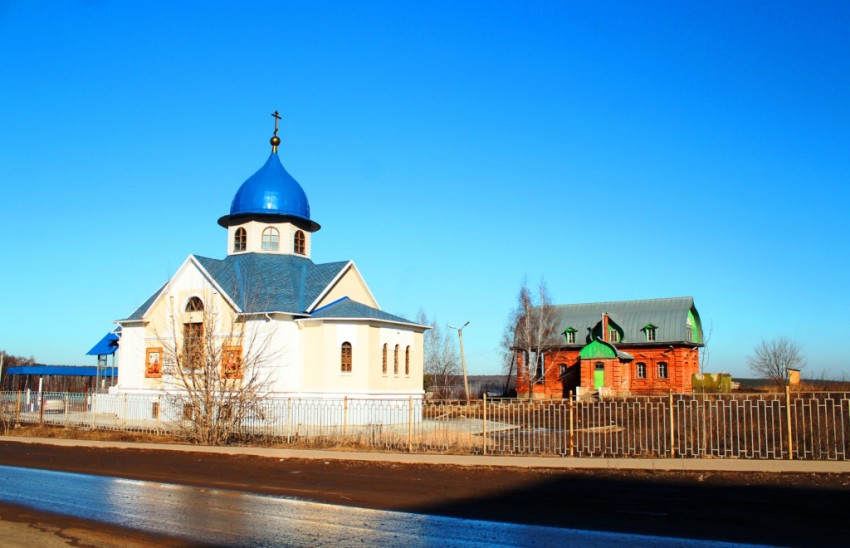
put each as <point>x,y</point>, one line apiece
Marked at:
<point>484,423</point>
<point>672,428</point>
<point>788,422</point>
<point>344,415</point>
<point>410,424</point>
<point>572,400</point>
<point>41,410</point>
<point>93,410</point>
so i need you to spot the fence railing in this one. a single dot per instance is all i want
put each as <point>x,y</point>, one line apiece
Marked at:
<point>813,426</point>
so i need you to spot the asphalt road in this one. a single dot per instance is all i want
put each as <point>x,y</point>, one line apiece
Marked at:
<point>782,509</point>
<point>230,518</point>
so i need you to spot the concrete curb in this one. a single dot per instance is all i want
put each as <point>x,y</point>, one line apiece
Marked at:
<point>695,465</point>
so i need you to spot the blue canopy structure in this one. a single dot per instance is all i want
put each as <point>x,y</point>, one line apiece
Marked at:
<point>62,370</point>
<point>106,346</point>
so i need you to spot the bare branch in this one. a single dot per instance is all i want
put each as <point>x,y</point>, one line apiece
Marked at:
<point>772,359</point>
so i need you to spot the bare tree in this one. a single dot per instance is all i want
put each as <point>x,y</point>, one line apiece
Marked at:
<point>772,359</point>
<point>11,361</point>
<point>531,332</point>
<point>442,364</point>
<point>212,367</point>
<point>704,354</point>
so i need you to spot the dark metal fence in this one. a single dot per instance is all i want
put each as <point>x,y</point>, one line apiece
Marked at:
<point>812,426</point>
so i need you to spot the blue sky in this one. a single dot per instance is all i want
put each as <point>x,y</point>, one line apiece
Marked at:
<point>451,149</point>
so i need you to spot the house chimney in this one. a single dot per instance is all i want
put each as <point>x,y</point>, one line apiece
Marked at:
<point>605,326</point>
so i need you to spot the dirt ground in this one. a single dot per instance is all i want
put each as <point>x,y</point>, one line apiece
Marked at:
<point>782,509</point>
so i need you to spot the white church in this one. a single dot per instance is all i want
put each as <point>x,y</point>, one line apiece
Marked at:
<point>319,327</point>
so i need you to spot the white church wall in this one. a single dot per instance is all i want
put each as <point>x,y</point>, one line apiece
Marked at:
<point>131,357</point>
<point>279,342</point>
<point>399,382</point>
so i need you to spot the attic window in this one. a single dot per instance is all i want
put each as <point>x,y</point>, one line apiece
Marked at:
<point>195,304</point>
<point>571,335</point>
<point>240,239</point>
<point>271,239</point>
<point>649,331</point>
<point>299,243</point>
<point>613,335</point>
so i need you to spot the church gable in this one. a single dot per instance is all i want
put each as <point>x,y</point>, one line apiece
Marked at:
<point>189,280</point>
<point>348,284</point>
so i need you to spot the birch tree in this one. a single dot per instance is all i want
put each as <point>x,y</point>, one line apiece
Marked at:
<point>442,362</point>
<point>530,334</point>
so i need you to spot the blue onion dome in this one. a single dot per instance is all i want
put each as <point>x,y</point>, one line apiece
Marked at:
<point>271,194</point>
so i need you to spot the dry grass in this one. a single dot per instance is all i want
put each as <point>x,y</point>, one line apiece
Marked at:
<point>43,431</point>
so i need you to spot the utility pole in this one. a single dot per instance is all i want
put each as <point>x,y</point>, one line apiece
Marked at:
<point>462,358</point>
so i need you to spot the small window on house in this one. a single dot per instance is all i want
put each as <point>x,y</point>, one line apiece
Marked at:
<point>571,335</point>
<point>640,370</point>
<point>240,239</point>
<point>384,362</point>
<point>562,370</point>
<point>395,361</point>
<point>271,239</point>
<point>299,243</point>
<point>613,335</point>
<point>345,357</point>
<point>407,361</point>
<point>689,333</point>
<point>662,370</point>
<point>650,334</point>
<point>195,304</point>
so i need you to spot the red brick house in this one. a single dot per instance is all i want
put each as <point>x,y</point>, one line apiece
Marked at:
<point>615,348</point>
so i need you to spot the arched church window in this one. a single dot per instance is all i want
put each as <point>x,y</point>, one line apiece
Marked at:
<point>271,239</point>
<point>407,361</point>
<point>299,243</point>
<point>345,357</point>
<point>240,240</point>
<point>384,366</point>
<point>395,361</point>
<point>195,304</point>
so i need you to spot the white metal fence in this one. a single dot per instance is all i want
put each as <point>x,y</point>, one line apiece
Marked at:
<point>814,426</point>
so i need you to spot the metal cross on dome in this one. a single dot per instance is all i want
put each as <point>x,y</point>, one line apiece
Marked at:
<point>276,116</point>
<point>275,140</point>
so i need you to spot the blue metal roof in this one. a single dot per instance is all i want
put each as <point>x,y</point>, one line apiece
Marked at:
<point>106,346</point>
<point>262,282</point>
<point>270,191</point>
<point>62,370</point>
<point>347,309</point>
